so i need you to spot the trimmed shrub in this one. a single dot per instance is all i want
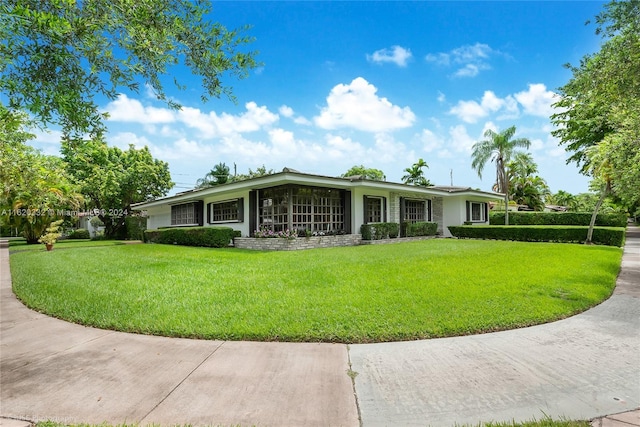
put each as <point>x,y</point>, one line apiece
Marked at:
<point>380,230</point>
<point>80,233</point>
<point>558,218</point>
<point>211,237</point>
<point>610,236</point>
<point>419,229</point>
<point>135,227</point>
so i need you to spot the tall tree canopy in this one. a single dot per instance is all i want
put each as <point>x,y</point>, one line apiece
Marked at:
<point>57,56</point>
<point>220,174</point>
<point>113,179</point>
<point>600,105</point>
<point>498,148</point>
<point>526,187</point>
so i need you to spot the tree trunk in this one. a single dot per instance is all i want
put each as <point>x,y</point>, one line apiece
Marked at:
<point>592,223</point>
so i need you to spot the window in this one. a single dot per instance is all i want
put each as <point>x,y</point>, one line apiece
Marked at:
<point>374,209</point>
<point>227,211</point>
<point>301,208</point>
<point>476,211</point>
<point>416,210</point>
<point>187,214</point>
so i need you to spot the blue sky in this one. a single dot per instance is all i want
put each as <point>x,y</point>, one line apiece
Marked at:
<point>374,83</point>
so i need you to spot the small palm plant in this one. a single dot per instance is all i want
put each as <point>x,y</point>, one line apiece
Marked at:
<point>51,235</point>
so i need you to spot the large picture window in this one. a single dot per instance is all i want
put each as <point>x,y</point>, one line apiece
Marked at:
<point>226,211</point>
<point>187,214</point>
<point>302,208</point>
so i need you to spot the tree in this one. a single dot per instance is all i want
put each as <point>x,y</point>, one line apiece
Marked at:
<point>57,56</point>
<point>415,174</point>
<point>216,176</point>
<point>369,173</point>
<point>113,179</point>
<point>261,171</point>
<point>525,187</point>
<point>498,147</point>
<point>600,105</point>
<point>566,199</point>
<point>35,189</point>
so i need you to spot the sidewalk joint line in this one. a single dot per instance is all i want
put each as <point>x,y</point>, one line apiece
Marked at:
<point>181,382</point>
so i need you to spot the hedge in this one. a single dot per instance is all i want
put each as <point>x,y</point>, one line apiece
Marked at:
<point>212,237</point>
<point>80,233</point>
<point>413,229</point>
<point>380,230</point>
<point>610,236</point>
<point>558,218</point>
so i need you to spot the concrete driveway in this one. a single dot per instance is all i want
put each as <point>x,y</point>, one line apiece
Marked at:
<point>584,367</point>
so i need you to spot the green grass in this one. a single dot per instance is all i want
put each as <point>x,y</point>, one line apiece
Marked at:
<point>20,245</point>
<point>404,291</point>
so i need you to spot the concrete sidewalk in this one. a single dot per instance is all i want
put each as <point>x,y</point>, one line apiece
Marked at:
<point>584,367</point>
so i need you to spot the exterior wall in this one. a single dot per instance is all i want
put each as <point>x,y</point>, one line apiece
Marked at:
<point>357,205</point>
<point>241,226</point>
<point>437,216</point>
<point>279,244</point>
<point>455,212</point>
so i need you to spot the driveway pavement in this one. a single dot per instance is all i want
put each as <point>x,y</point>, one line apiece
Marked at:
<point>584,367</point>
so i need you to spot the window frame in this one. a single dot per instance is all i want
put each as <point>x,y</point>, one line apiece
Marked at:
<point>195,215</point>
<point>483,208</point>
<point>239,211</point>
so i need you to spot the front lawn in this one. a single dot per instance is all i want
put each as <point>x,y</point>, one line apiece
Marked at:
<point>403,291</point>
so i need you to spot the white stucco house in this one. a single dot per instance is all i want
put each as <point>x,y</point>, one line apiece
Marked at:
<point>301,201</point>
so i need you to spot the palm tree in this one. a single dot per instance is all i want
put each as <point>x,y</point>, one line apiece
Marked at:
<point>498,147</point>
<point>415,174</point>
<point>216,176</point>
<point>525,188</point>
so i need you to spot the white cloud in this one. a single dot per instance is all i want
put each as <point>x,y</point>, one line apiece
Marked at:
<point>430,141</point>
<point>340,148</point>
<point>472,111</point>
<point>397,55</point>
<point>123,139</point>
<point>537,100</point>
<point>461,142</point>
<point>286,111</point>
<point>125,109</point>
<point>471,59</point>
<point>357,106</point>
<point>300,120</point>
<point>387,150</point>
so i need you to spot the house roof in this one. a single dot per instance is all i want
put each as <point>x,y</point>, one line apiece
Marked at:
<point>292,176</point>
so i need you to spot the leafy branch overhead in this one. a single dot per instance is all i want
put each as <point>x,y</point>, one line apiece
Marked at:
<point>58,56</point>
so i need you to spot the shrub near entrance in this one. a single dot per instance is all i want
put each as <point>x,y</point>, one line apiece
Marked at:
<point>212,237</point>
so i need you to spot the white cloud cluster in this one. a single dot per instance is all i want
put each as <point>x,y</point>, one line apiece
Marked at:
<point>469,59</point>
<point>536,101</point>
<point>396,54</point>
<point>357,106</point>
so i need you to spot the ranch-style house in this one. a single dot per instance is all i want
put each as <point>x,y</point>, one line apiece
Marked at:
<point>318,204</point>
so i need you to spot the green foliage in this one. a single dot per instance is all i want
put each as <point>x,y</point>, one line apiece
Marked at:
<point>261,171</point>
<point>212,237</point>
<point>52,233</point>
<point>34,186</point>
<point>220,174</point>
<point>56,57</point>
<point>380,230</point>
<point>610,236</point>
<point>405,291</point>
<point>369,173</point>
<point>419,229</point>
<point>558,218</point>
<point>80,233</point>
<point>498,148</point>
<point>415,175</point>
<point>136,225</point>
<point>600,105</point>
<point>525,187</point>
<point>114,179</point>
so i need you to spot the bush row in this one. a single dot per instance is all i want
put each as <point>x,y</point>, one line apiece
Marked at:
<point>558,218</point>
<point>212,237</point>
<point>415,229</point>
<point>80,233</point>
<point>610,236</point>
<point>380,230</point>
